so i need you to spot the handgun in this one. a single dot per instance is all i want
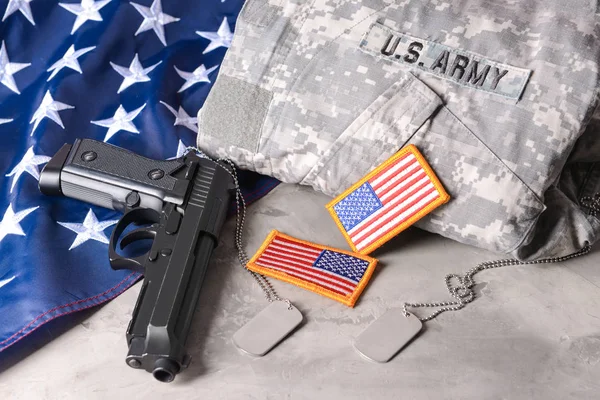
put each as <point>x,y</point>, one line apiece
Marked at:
<point>180,205</point>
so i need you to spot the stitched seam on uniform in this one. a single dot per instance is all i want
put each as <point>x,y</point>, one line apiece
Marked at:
<point>425,96</point>
<point>274,62</point>
<point>260,133</point>
<point>494,156</point>
<point>499,162</point>
<point>384,133</point>
<point>453,51</point>
<point>316,56</point>
<point>283,57</point>
<point>329,157</point>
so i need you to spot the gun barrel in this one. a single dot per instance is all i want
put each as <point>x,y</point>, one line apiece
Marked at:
<point>178,262</point>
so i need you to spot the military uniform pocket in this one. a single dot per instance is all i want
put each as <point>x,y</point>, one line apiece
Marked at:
<point>490,206</point>
<point>377,133</point>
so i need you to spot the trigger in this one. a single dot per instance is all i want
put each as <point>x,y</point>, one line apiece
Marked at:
<point>138,234</point>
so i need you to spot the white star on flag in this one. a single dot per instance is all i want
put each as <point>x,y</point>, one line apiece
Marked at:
<point>88,10</point>
<point>4,282</point>
<point>181,150</point>
<point>221,38</point>
<point>120,121</point>
<point>134,74</point>
<point>200,74</point>
<point>19,5</point>
<point>10,224</point>
<point>182,118</point>
<point>69,60</point>
<point>91,228</point>
<point>5,120</point>
<point>29,163</point>
<point>48,108</point>
<point>8,69</point>
<point>154,19</point>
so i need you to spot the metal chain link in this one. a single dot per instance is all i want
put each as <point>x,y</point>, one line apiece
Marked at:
<point>464,294</point>
<point>592,203</point>
<point>240,218</point>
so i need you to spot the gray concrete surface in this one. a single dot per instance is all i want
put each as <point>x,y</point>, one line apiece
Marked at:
<point>533,332</point>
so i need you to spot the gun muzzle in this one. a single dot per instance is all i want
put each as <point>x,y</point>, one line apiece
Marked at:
<point>165,370</point>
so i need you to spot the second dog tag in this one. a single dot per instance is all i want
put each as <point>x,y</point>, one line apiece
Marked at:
<point>387,335</point>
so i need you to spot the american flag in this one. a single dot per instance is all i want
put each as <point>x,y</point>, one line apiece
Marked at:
<point>131,73</point>
<point>388,200</point>
<point>334,273</point>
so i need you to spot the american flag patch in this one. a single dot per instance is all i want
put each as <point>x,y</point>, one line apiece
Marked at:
<point>388,200</point>
<point>337,274</point>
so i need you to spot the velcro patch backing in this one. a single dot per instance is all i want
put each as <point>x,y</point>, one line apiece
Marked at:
<point>388,200</point>
<point>337,274</point>
<point>457,65</point>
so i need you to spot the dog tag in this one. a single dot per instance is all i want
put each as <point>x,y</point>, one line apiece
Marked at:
<point>387,335</point>
<point>268,328</point>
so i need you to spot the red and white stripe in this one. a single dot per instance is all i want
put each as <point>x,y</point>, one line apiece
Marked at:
<point>297,259</point>
<point>404,188</point>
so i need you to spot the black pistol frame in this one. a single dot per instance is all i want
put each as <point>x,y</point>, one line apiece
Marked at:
<point>183,203</point>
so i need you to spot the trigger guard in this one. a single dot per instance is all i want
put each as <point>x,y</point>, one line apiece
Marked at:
<point>136,216</point>
<point>138,234</point>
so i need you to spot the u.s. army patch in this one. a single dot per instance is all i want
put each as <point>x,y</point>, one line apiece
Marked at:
<point>387,200</point>
<point>457,65</point>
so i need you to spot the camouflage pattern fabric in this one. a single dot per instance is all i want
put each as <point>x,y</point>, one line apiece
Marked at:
<point>501,97</point>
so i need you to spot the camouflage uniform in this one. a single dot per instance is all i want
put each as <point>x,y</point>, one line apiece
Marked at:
<point>499,96</point>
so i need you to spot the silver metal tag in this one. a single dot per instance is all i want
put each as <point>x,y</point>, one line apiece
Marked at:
<point>387,335</point>
<point>268,328</point>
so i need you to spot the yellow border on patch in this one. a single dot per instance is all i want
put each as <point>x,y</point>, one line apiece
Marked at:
<point>444,197</point>
<point>348,300</point>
